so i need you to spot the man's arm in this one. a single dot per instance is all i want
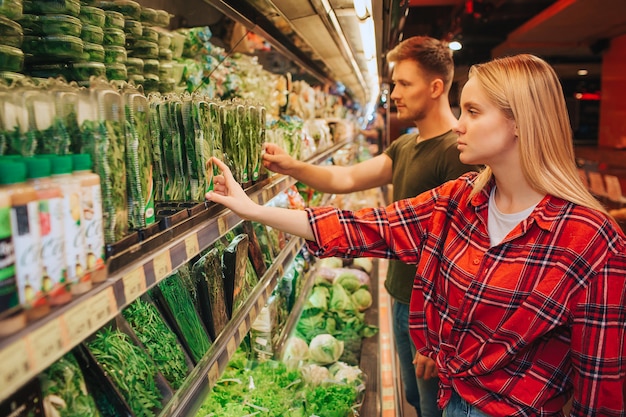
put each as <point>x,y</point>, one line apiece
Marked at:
<point>371,173</point>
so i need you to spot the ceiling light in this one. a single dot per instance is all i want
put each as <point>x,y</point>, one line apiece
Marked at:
<point>361,8</point>
<point>455,45</point>
<point>582,72</point>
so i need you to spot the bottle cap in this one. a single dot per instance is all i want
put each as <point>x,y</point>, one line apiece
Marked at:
<point>61,164</point>
<point>82,162</point>
<point>37,167</point>
<point>12,172</point>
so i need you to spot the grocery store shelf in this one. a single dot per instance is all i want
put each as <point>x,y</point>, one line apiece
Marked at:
<point>130,274</point>
<point>189,398</point>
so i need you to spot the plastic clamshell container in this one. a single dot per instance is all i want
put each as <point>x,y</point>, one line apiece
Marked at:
<point>150,34</point>
<point>114,37</point>
<point>11,8</point>
<point>151,83</point>
<point>163,18</point>
<point>115,54</point>
<point>151,66</point>
<point>165,54</point>
<point>113,19</point>
<point>11,59</point>
<point>50,48</point>
<point>137,79</point>
<point>93,52</point>
<point>145,50</point>
<point>178,44</point>
<point>11,33</point>
<point>82,71</point>
<point>134,66</point>
<point>148,16</point>
<point>92,33</point>
<point>166,70</point>
<point>9,77</point>
<point>51,24</point>
<point>165,38</point>
<point>167,85</point>
<point>71,7</point>
<point>116,71</point>
<point>133,28</point>
<point>92,16</point>
<point>130,9</point>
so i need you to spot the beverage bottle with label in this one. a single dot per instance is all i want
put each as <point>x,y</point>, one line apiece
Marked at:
<point>12,317</point>
<point>75,254</point>
<point>51,229</point>
<point>26,239</point>
<point>91,203</point>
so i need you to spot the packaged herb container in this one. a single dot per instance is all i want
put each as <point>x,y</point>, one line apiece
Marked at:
<point>158,162</point>
<point>93,52</point>
<point>9,78</point>
<point>145,49</point>
<point>71,7</point>
<point>130,9</point>
<point>11,32</point>
<point>92,33</point>
<point>136,79</point>
<point>149,33</point>
<point>151,66</point>
<point>138,160</point>
<point>115,54</point>
<point>148,16</point>
<point>114,37</point>
<point>162,18</point>
<point>215,130</point>
<point>116,71</point>
<point>113,19</point>
<point>134,66</point>
<point>165,54</point>
<point>165,38</point>
<point>83,71</point>
<point>52,48</point>
<point>151,83</point>
<point>12,9</point>
<point>11,59</point>
<point>167,85</point>
<point>133,28</point>
<point>212,299</point>
<point>92,16</point>
<point>166,70</point>
<point>52,24</point>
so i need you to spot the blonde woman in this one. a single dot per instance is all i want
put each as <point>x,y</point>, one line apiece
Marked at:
<point>519,301</point>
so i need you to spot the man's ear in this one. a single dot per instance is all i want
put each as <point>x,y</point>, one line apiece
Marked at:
<point>436,87</point>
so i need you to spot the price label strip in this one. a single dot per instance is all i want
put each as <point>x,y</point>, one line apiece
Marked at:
<point>192,246</point>
<point>213,374</point>
<point>162,265</point>
<point>46,344</point>
<point>77,322</point>
<point>103,308</point>
<point>222,227</point>
<point>134,284</point>
<point>15,369</point>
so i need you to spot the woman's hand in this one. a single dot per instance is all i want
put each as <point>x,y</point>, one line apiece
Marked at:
<point>228,192</point>
<point>277,160</point>
<point>425,367</point>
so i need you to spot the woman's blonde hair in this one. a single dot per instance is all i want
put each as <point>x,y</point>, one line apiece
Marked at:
<point>528,91</point>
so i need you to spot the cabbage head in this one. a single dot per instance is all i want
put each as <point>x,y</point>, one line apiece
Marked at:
<point>314,374</point>
<point>296,350</point>
<point>362,299</point>
<point>348,281</point>
<point>340,300</point>
<point>325,349</point>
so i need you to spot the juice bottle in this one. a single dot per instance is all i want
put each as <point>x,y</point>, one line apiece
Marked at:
<point>51,229</point>
<point>91,203</point>
<point>75,255</point>
<point>12,317</point>
<point>26,239</point>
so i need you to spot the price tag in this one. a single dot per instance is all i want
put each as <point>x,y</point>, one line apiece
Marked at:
<point>134,284</point>
<point>14,371</point>
<point>103,307</point>
<point>221,225</point>
<point>243,329</point>
<point>47,343</point>
<point>192,247</point>
<point>78,322</point>
<point>231,347</point>
<point>162,265</point>
<point>213,374</point>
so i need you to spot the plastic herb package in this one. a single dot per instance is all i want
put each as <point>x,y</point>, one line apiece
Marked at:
<point>234,262</point>
<point>14,123</point>
<point>204,145</point>
<point>138,160</point>
<point>208,273</point>
<point>214,126</point>
<point>160,341</point>
<point>172,131</point>
<point>43,123</point>
<point>174,300</point>
<point>158,164</point>
<point>64,390</point>
<point>191,142</point>
<point>70,7</point>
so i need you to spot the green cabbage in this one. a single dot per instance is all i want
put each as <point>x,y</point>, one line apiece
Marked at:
<point>362,299</point>
<point>325,349</point>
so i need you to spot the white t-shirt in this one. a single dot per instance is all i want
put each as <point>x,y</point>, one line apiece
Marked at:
<point>499,224</point>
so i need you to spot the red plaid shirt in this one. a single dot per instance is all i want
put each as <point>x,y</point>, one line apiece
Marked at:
<point>514,328</point>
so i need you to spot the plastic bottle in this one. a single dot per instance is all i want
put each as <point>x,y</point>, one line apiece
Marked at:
<point>12,317</point>
<point>91,203</point>
<point>26,239</point>
<point>75,254</point>
<point>51,229</point>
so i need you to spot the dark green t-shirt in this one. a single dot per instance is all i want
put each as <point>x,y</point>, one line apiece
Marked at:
<point>419,167</point>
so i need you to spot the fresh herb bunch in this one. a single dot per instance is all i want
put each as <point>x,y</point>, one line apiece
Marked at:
<point>130,368</point>
<point>159,340</point>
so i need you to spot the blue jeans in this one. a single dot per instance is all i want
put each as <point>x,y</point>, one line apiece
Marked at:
<point>420,393</point>
<point>458,407</point>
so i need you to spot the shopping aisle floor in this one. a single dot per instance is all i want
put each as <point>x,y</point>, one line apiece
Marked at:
<point>392,392</point>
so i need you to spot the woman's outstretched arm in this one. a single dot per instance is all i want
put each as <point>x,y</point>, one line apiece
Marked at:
<point>230,194</point>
